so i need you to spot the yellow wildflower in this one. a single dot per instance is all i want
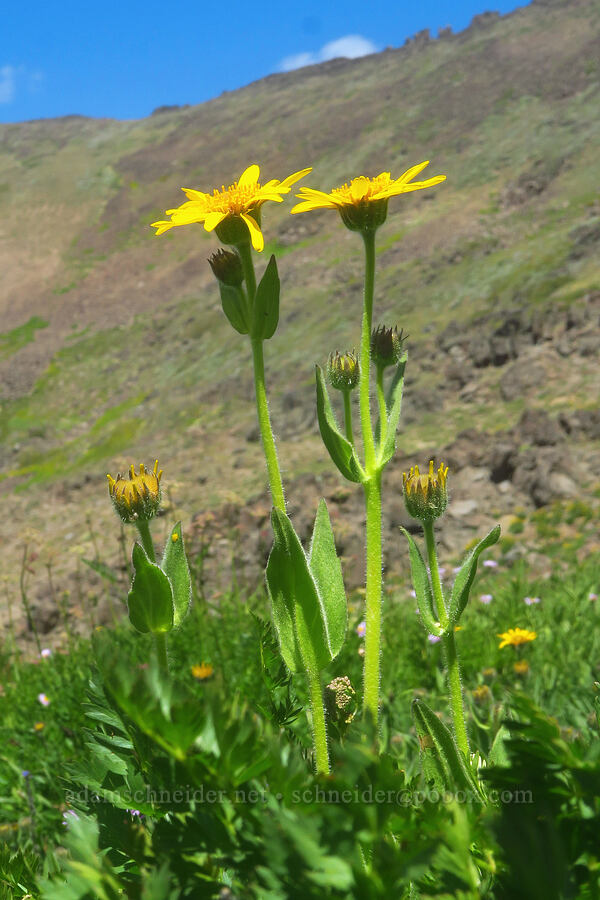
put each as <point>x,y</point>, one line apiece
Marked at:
<point>231,207</point>
<point>203,671</point>
<point>363,203</point>
<point>136,497</point>
<point>481,694</point>
<point>38,726</point>
<point>516,636</point>
<point>425,496</point>
<point>521,667</point>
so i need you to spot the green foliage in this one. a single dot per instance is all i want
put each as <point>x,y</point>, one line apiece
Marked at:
<point>150,600</point>
<point>265,315</point>
<point>340,449</point>
<point>235,307</point>
<point>12,341</point>
<point>394,406</point>
<point>307,594</point>
<point>175,566</point>
<point>466,575</point>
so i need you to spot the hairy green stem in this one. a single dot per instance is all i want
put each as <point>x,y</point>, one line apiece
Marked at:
<point>365,353</point>
<point>318,722</point>
<point>373,597</point>
<point>160,638</point>
<point>160,642</point>
<point>262,406</point>
<point>147,544</point>
<point>348,417</point>
<point>449,645</point>
<point>266,431</point>
<point>382,407</point>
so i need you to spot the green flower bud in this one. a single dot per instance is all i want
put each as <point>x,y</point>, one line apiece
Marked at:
<point>387,346</point>
<point>426,496</point>
<point>343,370</point>
<point>234,230</point>
<point>365,216</point>
<point>136,497</point>
<point>227,267</point>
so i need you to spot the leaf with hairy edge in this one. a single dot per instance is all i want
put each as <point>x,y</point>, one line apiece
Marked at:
<point>235,307</point>
<point>150,600</point>
<point>443,763</point>
<point>266,303</point>
<point>340,449</point>
<point>420,579</point>
<point>175,566</point>
<point>297,608</point>
<point>466,576</point>
<point>326,570</point>
<point>394,405</point>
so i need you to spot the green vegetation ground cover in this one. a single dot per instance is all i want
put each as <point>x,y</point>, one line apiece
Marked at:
<point>229,632</point>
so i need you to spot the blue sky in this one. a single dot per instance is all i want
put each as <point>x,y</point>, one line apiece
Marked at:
<point>123,59</point>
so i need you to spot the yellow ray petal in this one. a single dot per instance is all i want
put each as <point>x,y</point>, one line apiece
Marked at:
<point>161,227</point>
<point>194,195</point>
<point>415,185</point>
<point>309,205</point>
<point>249,176</point>
<point>258,241</point>
<point>292,179</point>
<point>213,219</point>
<point>411,173</point>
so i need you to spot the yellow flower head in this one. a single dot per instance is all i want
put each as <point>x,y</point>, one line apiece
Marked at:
<point>521,667</point>
<point>426,496</point>
<point>233,211</point>
<point>362,204</point>
<point>203,671</point>
<point>516,636</point>
<point>136,497</point>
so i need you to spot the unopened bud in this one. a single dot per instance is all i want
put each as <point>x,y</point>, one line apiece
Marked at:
<point>387,346</point>
<point>227,267</point>
<point>136,497</point>
<point>343,370</point>
<point>426,496</point>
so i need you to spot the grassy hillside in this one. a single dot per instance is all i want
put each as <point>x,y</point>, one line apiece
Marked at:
<point>114,347</point>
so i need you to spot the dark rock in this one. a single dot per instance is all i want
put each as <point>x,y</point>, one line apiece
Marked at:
<point>519,377</point>
<point>536,427</point>
<point>503,462</point>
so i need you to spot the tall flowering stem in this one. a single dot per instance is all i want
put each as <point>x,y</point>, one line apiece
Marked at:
<point>262,407</point>
<point>448,643</point>
<point>372,489</point>
<point>160,638</point>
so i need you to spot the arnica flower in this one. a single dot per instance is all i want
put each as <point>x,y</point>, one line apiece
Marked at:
<point>203,671</point>
<point>514,637</point>
<point>425,496</point>
<point>482,694</point>
<point>234,211</point>
<point>521,667</point>
<point>38,726</point>
<point>343,370</point>
<point>136,497</point>
<point>387,346</point>
<point>362,204</point>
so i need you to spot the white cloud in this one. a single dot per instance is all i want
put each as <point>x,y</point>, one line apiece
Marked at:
<point>351,46</point>
<point>7,83</point>
<point>12,77</point>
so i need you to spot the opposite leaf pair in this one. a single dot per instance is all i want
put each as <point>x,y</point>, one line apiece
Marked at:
<point>160,595</point>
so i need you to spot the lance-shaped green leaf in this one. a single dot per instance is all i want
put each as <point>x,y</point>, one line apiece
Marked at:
<point>326,570</point>
<point>235,307</point>
<point>150,600</point>
<point>266,303</point>
<point>498,753</point>
<point>340,449</point>
<point>297,608</point>
<point>394,406</point>
<point>443,763</point>
<point>420,579</point>
<point>175,566</point>
<point>466,576</point>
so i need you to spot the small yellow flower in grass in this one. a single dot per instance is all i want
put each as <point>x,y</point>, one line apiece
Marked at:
<point>38,726</point>
<point>136,497</point>
<point>514,637</point>
<point>362,204</point>
<point>481,694</point>
<point>203,671</point>
<point>234,211</point>
<point>521,667</point>
<point>426,496</point>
